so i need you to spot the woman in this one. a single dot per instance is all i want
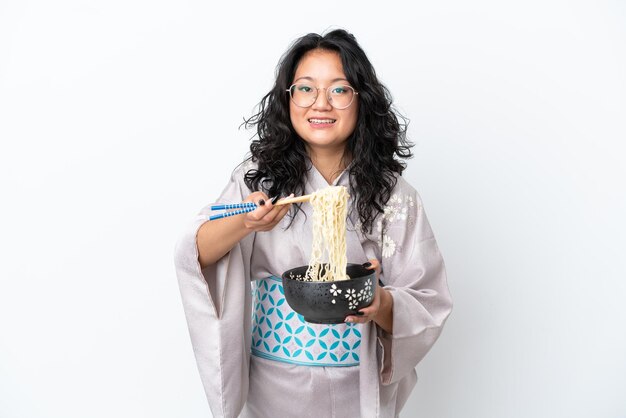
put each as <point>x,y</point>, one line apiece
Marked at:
<point>327,121</point>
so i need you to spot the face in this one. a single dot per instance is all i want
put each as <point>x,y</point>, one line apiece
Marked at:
<point>322,126</point>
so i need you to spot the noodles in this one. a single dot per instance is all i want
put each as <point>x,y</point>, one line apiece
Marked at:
<point>330,206</point>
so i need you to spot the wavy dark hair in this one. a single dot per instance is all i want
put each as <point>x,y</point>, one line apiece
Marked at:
<point>377,145</point>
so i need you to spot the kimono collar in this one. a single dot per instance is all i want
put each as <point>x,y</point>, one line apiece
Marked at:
<point>317,180</point>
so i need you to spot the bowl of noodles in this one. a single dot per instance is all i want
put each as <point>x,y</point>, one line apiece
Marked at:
<point>329,288</point>
<point>329,302</point>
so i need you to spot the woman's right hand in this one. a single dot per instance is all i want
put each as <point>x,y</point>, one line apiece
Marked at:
<point>266,216</point>
<point>216,238</point>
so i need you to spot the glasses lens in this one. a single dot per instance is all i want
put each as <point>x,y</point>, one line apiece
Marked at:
<point>303,94</point>
<point>340,96</point>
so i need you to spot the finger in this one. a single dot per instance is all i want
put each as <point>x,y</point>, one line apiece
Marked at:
<point>367,313</point>
<point>257,215</point>
<point>283,211</point>
<point>277,198</point>
<point>374,264</point>
<point>277,212</point>
<point>262,214</point>
<point>353,319</point>
<point>271,217</point>
<point>260,199</point>
<point>270,220</point>
<point>256,197</point>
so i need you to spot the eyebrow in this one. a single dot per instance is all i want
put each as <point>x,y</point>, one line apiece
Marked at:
<point>311,79</point>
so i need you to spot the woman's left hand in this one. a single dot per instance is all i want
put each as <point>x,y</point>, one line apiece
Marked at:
<point>380,310</point>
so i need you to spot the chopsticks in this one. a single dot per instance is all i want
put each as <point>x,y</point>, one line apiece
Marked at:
<point>245,207</point>
<point>297,199</point>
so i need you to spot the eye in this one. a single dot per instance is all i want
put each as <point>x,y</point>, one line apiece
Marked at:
<point>304,88</point>
<point>338,90</point>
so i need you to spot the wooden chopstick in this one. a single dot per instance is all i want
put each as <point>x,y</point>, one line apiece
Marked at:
<point>297,199</point>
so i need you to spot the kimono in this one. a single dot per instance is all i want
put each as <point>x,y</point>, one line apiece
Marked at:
<point>219,307</point>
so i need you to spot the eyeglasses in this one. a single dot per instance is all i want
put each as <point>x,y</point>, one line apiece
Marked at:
<point>339,96</point>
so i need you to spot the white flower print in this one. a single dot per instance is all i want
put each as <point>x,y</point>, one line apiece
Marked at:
<point>368,285</point>
<point>389,246</point>
<point>352,304</point>
<point>350,294</point>
<point>398,208</point>
<point>362,295</point>
<point>402,213</point>
<point>395,213</point>
<point>334,290</point>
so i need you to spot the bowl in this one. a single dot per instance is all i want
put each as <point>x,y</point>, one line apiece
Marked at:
<point>329,302</point>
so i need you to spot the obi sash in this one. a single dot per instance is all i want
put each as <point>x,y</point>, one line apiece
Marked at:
<point>281,334</point>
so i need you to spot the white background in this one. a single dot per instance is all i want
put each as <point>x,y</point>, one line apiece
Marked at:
<point>120,119</point>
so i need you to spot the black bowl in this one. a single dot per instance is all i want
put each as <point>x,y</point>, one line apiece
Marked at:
<point>329,302</point>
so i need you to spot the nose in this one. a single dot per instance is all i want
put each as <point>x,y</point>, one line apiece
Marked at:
<point>321,101</point>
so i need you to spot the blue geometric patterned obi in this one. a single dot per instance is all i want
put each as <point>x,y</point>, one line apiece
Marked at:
<point>281,334</point>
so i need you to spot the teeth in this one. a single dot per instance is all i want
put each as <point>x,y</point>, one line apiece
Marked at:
<point>322,120</point>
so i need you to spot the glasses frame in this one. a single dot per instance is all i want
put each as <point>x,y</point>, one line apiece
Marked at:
<point>328,98</point>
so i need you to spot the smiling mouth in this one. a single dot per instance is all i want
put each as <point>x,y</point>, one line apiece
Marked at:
<point>319,121</point>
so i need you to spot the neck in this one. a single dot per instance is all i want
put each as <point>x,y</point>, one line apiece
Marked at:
<point>329,163</point>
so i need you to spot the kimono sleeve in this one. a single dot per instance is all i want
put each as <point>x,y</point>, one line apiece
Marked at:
<point>413,271</point>
<point>216,303</point>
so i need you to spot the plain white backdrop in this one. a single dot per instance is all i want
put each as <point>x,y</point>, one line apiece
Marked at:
<point>119,120</point>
